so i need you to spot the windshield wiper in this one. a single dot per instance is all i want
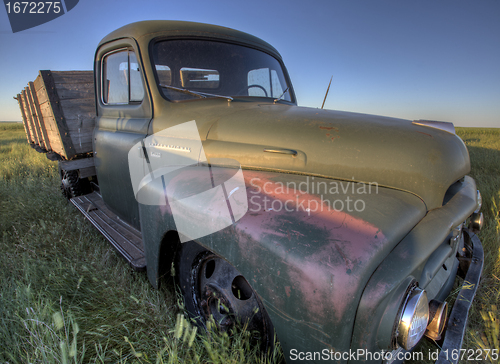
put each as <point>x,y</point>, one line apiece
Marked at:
<point>203,95</point>
<point>183,90</point>
<point>283,94</point>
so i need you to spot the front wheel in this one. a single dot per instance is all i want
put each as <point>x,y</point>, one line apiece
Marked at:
<point>212,287</point>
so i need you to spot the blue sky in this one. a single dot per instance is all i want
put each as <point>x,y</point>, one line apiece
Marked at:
<point>426,59</point>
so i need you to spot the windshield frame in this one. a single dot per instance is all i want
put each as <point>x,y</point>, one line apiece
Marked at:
<point>269,99</point>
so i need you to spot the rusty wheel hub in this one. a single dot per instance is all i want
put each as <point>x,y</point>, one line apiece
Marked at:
<point>224,294</point>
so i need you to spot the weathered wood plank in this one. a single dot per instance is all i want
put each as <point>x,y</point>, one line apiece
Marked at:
<point>87,172</point>
<point>38,115</point>
<point>25,122</point>
<point>82,148</point>
<point>52,130</point>
<point>42,95</point>
<point>40,89</point>
<point>34,118</point>
<point>76,164</point>
<point>75,91</point>
<point>81,123</point>
<point>58,114</point>
<point>29,118</point>
<point>48,118</point>
<point>73,77</point>
<point>75,108</point>
<point>75,130</point>
<point>81,131</point>
<point>23,112</point>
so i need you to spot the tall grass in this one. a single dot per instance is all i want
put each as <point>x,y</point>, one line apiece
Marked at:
<point>65,295</point>
<point>484,320</point>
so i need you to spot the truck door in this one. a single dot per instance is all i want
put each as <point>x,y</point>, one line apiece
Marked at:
<point>123,116</point>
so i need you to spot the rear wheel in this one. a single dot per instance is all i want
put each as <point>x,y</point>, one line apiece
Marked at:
<point>70,184</point>
<point>212,287</point>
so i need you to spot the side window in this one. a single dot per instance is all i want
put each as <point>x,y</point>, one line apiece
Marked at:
<point>264,82</point>
<point>258,83</point>
<point>121,78</point>
<point>276,84</point>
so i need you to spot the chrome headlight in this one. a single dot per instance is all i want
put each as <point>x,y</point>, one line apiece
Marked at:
<point>414,318</point>
<point>477,220</point>
<point>479,201</point>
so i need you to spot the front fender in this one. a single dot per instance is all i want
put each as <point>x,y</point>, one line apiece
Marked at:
<point>423,255</point>
<point>308,246</point>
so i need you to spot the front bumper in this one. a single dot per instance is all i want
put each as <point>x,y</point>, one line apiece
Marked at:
<point>455,329</point>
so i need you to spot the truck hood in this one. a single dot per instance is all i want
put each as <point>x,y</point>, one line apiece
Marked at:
<point>390,152</point>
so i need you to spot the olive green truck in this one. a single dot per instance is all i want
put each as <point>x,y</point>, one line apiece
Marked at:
<point>342,233</point>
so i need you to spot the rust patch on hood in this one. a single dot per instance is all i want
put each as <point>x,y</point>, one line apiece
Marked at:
<point>330,132</point>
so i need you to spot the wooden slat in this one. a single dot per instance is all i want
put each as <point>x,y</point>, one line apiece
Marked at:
<point>72,77</point>
<point>33,117</point>
<point>23,112</point>
<point>81,123</point>
<point>74,108</point>
<point>52,130</point>
<point>38,115</point>
<point>29,118</point>
<point>25,122</point>
<point>80,118</point>
<point>41,92</point>
<point>58,114</point>
<point>75,91</point>
<point>82,148</point>
<point>87,172</point>
<point>76,164</point>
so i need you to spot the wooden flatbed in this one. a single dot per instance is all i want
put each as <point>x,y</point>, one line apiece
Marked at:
<point>58,111</point>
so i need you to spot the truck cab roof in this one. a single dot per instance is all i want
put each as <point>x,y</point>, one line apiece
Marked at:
<point>150,29</point>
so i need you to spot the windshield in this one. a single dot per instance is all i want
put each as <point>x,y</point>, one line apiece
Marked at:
<point>215,69</point>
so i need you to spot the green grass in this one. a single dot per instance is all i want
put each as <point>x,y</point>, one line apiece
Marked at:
<point>484,321</point>
<point>483,330</point>
<point>67,297</point>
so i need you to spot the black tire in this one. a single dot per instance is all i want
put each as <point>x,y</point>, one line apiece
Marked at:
<point>69,184</point>
<point>72,185</point>
<point>211,286</point>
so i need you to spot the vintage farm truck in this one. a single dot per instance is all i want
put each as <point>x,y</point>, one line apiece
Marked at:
<point>342,233</point>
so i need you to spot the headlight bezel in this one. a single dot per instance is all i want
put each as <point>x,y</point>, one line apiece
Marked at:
<point>479,202</point>
<point>414,314</point>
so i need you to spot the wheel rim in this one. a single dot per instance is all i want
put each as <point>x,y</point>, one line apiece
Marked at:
<point>70,184</point>
<point>221,292</point>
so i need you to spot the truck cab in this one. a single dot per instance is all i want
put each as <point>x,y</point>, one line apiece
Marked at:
<point>342,233</point>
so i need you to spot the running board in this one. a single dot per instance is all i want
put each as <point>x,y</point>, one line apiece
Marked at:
<point>125,239</point>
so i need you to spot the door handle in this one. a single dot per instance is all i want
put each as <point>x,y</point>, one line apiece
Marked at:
<point>281,151</point>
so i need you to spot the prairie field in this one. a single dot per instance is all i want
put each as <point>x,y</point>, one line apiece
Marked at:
<point>67,297</point>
